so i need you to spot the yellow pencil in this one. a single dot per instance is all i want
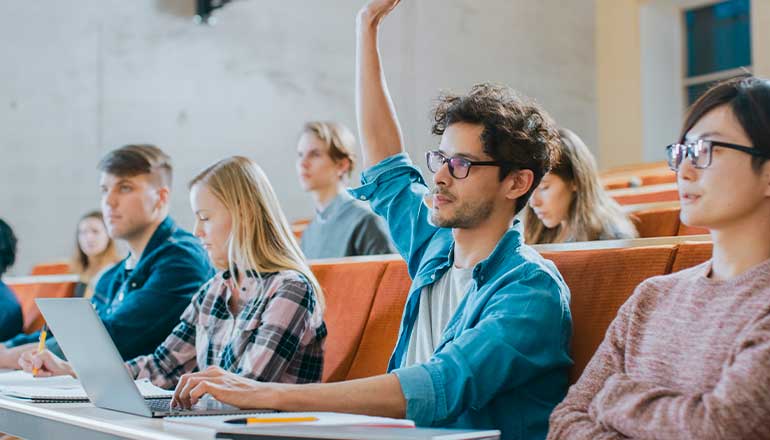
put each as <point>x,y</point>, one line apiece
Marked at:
<point>41,344</point>
<point>249,420</point>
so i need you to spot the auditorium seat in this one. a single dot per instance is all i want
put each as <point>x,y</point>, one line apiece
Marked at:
<point>657,222</point>
<point>646,194</point>
<point>381,331</point>
<point>349,290</point>
<point>28,289</point>
<point>600,281</point>
<point>690,254</point>
<point>54,268</point>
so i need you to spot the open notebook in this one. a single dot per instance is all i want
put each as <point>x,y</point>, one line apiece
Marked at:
<point>23,385</point>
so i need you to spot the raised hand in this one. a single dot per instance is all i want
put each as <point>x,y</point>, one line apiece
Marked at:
<point>376,10</point>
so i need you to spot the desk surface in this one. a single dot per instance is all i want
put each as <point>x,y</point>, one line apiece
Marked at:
<point>85,421</point>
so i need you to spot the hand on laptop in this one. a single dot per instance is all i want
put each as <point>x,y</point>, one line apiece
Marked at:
<point>226,387</point>
<point>46,363</point>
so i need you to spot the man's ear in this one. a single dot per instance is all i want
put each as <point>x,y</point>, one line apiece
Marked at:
<point>343,167</point>
<point>163,196</point>
<point>517,183</point>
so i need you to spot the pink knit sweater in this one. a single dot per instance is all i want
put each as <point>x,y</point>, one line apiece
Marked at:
<point>687,357</point>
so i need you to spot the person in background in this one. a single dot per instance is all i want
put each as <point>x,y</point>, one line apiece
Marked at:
<point>570,203</point>
<point>342,226</point>
<point>95,252</point>
<point>687,355</point>
<point>11,321</point>
<point>263,288</point>
<point>141,298</point>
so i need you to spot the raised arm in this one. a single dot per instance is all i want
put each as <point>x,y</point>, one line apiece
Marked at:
<point>375,114</point>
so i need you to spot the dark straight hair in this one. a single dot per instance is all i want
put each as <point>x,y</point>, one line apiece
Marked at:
<point>7,246</point>
<point>749,99</point>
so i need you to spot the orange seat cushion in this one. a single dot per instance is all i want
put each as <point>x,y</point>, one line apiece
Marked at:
<point>382,327</point>
<point>349,290</point>
<point>657,222</point>
<point>691,230</point>
<point>691,254</point>
<point>27,293</point>
<point>647,197</point>
<point>60,268</point>
<point>600,281</point>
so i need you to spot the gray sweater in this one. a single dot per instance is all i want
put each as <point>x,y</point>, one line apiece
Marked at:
<point>345,228</point>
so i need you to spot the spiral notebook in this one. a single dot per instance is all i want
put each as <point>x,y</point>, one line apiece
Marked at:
<point>60,389</point>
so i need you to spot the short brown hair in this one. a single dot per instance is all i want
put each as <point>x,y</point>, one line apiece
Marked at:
<point>516,130</point>
<point>136,159</point>
<point>337,137</point>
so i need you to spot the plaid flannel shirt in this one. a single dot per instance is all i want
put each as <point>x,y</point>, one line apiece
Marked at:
<point>277,336</point>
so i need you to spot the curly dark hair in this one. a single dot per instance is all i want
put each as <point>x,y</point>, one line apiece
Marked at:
<point>7,246</point>
<point>517,131</point>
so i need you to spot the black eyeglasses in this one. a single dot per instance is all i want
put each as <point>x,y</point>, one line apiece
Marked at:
<point>700,152</point>
<point>459,167</point>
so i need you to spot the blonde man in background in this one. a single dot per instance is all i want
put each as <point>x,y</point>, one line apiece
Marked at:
<point>342,226</point>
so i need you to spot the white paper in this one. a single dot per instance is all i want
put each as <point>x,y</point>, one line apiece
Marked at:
<point>24,385</point>
<point>324,419</point>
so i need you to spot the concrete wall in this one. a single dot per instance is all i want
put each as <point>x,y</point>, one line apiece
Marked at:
<point>80,78</point>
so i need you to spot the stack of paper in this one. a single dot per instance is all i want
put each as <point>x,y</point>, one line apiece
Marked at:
<point>284,418</point>
<point>60,388</point>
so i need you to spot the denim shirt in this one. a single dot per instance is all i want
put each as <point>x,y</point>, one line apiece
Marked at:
<point>140,307</point>
<point>503,358</point>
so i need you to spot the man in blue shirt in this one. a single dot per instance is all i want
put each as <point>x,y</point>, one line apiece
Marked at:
<point>484,339</point>
<point>141,298</point>
<point>10,311</point>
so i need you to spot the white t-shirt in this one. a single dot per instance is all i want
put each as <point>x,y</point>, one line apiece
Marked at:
<point>438,302</point>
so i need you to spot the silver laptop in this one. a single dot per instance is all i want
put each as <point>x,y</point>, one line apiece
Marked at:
<point>89,349</point>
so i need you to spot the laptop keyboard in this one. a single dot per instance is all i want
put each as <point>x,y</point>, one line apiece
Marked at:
<point>160,405</point>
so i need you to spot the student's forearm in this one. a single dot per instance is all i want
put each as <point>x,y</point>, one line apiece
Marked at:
<point>376,115</point>
<point>374,396</point>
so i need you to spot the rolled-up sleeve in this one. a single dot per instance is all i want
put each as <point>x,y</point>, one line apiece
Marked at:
<point>395,189</point>
<point>519,336</point>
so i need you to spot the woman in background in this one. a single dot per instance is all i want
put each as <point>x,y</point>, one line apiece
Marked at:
<point>570,203</point>
<point>95,252</point>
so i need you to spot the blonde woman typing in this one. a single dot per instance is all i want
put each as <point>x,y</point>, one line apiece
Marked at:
<point>261,315</point>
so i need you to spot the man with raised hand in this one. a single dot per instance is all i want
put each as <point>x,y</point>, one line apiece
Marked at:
<point>486,328</point>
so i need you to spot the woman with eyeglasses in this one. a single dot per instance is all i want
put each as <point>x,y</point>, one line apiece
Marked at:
<point>570,203</point>
<point>688,355</point>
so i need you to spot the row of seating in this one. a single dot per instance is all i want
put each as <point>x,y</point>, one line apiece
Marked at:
<point>660,220</point>
<point>365,296</point>
<point>631,176</point>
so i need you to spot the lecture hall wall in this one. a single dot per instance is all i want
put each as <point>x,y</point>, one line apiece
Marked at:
<point>79,78</point>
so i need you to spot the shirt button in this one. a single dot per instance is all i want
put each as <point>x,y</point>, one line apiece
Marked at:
<point>433,277</point>
<point>362,197</point>
<point>133,284</point>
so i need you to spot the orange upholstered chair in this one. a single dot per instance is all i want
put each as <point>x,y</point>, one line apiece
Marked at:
<point>657,222</point>
<point>56,268</point>
<point>349,289</point>
<point>645,194</point>
<point>28,289</point>
<point>600,281</point>
<point>691,230</point>
<point>691,254</point>
<point>383,324</point>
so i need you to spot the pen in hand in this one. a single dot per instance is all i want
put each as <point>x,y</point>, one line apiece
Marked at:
<point>41,344</point>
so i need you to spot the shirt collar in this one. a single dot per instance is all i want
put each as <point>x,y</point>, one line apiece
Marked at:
<point>334,207</point>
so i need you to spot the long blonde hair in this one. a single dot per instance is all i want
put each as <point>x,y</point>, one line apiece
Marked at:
<point>593,215</point>
<point>260,237</point>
